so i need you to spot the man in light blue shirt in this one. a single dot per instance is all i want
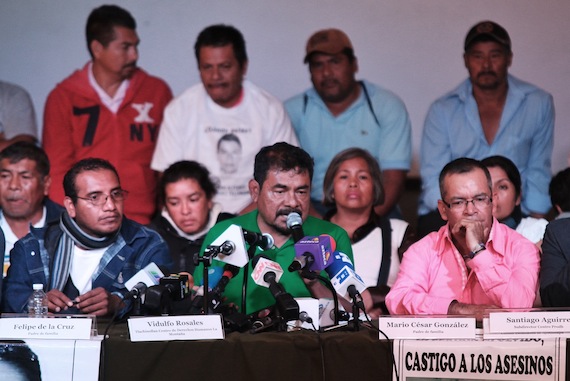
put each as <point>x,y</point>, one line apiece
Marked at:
<point>340,112</point>
<point>490,113</point>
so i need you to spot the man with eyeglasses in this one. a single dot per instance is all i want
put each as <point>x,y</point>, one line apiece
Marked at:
<point>84,259</point>
<point>473,262</point>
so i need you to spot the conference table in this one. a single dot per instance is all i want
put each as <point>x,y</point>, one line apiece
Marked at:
<point>299,355</point>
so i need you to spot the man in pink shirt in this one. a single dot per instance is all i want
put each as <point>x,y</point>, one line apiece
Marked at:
<point>473,262</point>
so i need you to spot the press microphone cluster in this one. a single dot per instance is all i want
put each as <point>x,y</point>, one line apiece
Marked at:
<point>153,293</point>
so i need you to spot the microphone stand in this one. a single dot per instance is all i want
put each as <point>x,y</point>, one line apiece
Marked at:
<point>250,253</point>
<point>311,276</point>
<point>206,259</point>
<point>357,305</point>
<point>355,315</point>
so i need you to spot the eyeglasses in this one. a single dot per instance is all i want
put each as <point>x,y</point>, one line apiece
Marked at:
<point>477,201</point>
<point>100,198</point>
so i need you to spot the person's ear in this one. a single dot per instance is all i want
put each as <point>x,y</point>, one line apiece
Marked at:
<point>254,189</point>
<point>442,209</point>
<point>69,206</point>
<point>47,184</point>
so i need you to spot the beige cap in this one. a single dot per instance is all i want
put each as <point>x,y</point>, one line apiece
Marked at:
<point>327,41</point>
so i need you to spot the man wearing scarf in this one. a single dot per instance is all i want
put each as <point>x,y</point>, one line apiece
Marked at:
<point>85,258</point>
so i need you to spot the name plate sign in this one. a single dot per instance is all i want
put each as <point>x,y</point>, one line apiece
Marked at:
<point>529,322</point>
<point>46,328</point>
<point>416,327</point>
<point>166,328</point>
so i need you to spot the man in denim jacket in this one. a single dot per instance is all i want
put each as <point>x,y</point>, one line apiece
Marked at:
<point>84,259</point>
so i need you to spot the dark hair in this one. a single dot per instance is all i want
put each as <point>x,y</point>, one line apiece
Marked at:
<point>89,164</point>
<point>222,35</point>
<point>19,355</point>
<point>373,168</point>
<point>509,167</point>
<point>102,21</point>
<point>283,157</point>
<point>228,138</point>
<point>185,169</point>
<point>459,166</point>
<point>19,151</point>
<point>559,190</point>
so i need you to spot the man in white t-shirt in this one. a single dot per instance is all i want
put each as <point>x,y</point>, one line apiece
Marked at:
<point>222,117</point>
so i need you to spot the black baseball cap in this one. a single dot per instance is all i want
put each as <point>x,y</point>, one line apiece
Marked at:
<point>489,30</point>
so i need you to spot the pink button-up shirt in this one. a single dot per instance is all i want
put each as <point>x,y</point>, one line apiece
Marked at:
<point>433,274</point>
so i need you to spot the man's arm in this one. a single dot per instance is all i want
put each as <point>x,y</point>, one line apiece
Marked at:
<point>57,141</point>
<point>538,174</point>
<point>169,147</point>
<point>509,279</point>
<point>435,152</point>
<point>413,292</point>
<point>393,181</point>
<point>555,265</point>
<point>17,285</point>
<point>279,128</point>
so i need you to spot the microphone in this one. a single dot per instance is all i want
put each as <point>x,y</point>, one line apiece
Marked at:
<point>137,291</point>
<point>345,280</point>
<point>263,241</point>
<point>231,246</point>
<point>148,276</point>
<point>305,318</point>
<point>267,273</point>
<point>215,274</point>
<point>226,248</point>
<point>172,288</point>
<point>229,271</point>
<point>313,253</point>
<point>295,224</point>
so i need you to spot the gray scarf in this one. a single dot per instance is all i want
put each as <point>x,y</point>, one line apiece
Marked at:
<point>73,235</point>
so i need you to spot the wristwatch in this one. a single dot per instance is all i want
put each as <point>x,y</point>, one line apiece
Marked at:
<point>480,247</point>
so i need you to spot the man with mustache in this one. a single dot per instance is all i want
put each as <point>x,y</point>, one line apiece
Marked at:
<point>281,185</point>
<point>24,186</point>
<point>473,262</point>
<point>110,109</point>
<point>490,113</point>
<point>340,112</point>
<point>223,104</point>
<point>84,259</point>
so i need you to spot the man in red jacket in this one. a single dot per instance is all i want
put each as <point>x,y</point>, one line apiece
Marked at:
<point>110,109</point>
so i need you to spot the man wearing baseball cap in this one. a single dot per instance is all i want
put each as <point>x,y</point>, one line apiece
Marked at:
<point>339,112</point>
<point>490,113</point>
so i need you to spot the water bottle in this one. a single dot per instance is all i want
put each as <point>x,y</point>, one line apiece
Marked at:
<point>38,301</point>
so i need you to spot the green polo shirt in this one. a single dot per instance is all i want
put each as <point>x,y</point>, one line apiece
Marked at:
<point>258,297</point>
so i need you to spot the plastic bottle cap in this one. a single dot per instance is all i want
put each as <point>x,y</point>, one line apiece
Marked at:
<point>38,286</point>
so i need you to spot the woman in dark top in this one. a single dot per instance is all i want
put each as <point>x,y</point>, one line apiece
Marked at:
<point>187,193</point>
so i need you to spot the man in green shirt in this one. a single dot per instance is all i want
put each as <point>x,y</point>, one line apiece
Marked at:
<point>281,185</point>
